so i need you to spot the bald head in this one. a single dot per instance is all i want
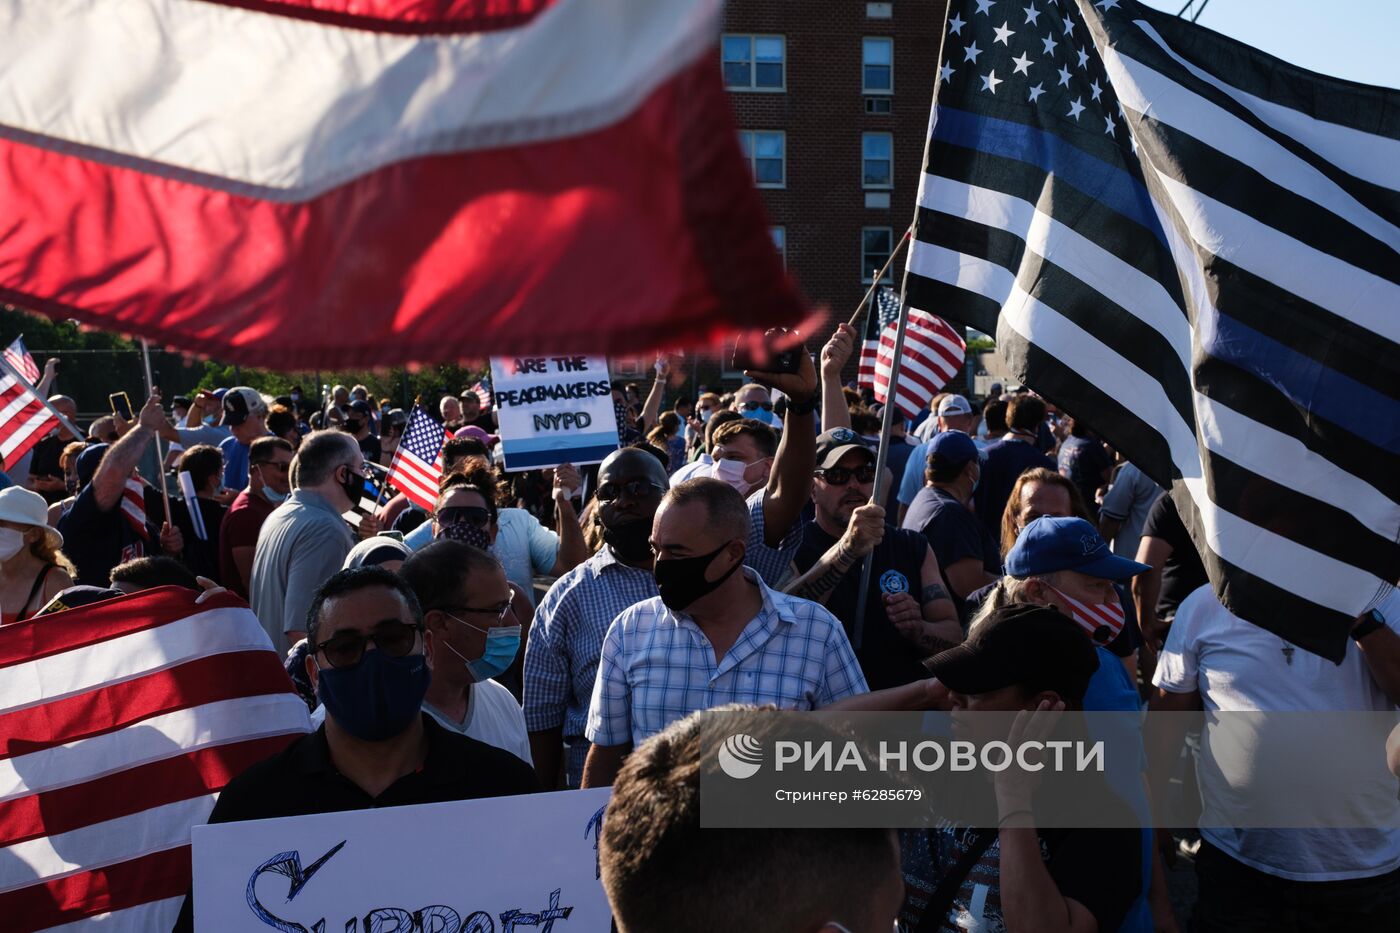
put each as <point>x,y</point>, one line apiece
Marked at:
<point>631,463</point>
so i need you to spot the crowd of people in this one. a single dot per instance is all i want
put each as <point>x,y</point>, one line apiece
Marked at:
<point>558,629</point>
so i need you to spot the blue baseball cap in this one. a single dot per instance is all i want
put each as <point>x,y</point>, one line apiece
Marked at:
<point>1052,543</point>
<point>952,447</point>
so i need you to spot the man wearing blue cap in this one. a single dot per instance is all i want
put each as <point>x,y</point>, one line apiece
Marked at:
<point>942,510</point>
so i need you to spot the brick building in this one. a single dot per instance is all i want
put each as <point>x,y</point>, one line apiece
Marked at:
<point>832,101</point>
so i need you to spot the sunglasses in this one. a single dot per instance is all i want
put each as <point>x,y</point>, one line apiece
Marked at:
<point>634,488</point>
<point>754,406</point>
<point>470,514</point>
<point>840,476</point>
<point>346,649</point>
<point>279,467</point>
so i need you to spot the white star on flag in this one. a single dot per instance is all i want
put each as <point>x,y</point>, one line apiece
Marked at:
<point>1083,58</point>
<point>1049,43</point>
<point>1004,33</point>
<point>1095,89</point>
<point>1069,26</point>
<point>990,81</point>
<point>1032,14</point>
<point>1106,5</point>
<point>956,24</point>
<point>971,53</point>
<point>1037,91</point>
<point>1076,108</point>
<point>1022,64</point>
<point>983,6</point>
<point>1064,76</point>
<point>946,72</point>
<point>1108,131</point>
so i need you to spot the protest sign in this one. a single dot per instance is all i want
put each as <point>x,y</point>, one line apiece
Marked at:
<point>553,410</point>
<point>473,866</point>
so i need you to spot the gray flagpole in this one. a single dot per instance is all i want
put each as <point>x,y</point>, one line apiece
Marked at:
<point>160,454</point>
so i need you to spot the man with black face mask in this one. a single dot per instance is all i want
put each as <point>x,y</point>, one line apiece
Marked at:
<point>715,634</point>
<point>377,748</point>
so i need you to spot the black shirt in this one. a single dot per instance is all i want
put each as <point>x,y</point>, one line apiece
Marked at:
<point>200,556</point>
<point>370,448</point>
<point>1183,572</point>
<point>1003,462</point>
<point>44,460</point>
<point>96,541</point>
<point>954,533</point>
<point>886,657</point>
<point>301,779</point>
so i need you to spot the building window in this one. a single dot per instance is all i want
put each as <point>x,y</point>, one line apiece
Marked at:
<point>876,244</point>
<point>753,63</point>
<point>879,105</point>
<point>877,160</point>
<point>767,155</point>
<point>779,235</point>
<point>877,61</point>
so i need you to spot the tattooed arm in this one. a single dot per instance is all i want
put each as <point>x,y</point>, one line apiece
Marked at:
<point>937,606</point>
<point>865,531</point>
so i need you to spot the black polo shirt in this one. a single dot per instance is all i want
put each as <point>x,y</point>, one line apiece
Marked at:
<point>301,779</point>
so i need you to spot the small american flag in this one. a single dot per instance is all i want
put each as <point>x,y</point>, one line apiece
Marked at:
<point>123,721</point>
<point>417,465</point>
<point>134,507</point>
<point>17,355</point>
<point>483,392</point>
<point>933,354</point>
<point>27,417</point>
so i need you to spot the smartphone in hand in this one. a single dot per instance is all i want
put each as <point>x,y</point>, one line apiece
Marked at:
<point>121,405</point>
<point>761,353</point>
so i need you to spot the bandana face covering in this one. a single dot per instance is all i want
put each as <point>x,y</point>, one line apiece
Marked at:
<point>1101,621</point>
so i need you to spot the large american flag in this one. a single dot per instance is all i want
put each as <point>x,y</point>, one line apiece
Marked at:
<point>417,465</point>
<point>25,418</point>
<point>122,721</point>
<point>1193,246</point>
<point>17,355</point>
<point>933,354</point>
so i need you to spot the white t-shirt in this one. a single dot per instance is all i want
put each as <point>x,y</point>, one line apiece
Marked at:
<point>493,717</point>
<point>1237,666</point>
<point>700,466</point>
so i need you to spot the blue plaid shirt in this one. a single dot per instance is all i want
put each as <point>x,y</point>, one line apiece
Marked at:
<point>566,637</point>
<point>658,666</point>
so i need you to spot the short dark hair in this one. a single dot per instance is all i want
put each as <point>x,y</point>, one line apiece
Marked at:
<point>459,448</point>
<point>1025,413</point>
<point>942,471</point>
<point>865,421</point>
<point>764,437</point>
<point>725,508</point>
<point>150,572</point>
<point>321,452</point>
<point>438,572</point>
<point>994,414</point>
<point>479,480</point>
<point>717,420</point>
<point>201,461</point>
<point>345,582</point>
<point>280,420</point>
<point>655,451</point>
<point>260,451</point>
<point>662,871</point>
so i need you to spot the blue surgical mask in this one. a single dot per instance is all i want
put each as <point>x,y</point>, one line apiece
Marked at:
<point>760,414</point>
<point>502,645</point>
<point>273,496</point>
<point>377,698</point>
<point>209,420</point>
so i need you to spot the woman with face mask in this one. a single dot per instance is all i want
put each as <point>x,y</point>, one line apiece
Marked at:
<point>32,568</point>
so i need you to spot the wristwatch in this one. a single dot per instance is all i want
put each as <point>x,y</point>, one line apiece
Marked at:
<point>802,408</point>
<point>1370,621</point>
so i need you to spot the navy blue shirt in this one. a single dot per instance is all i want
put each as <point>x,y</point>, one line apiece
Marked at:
<point>954,533</point>
<point>886,657</point>
<point>1003,463</point>
<point>96,541</point>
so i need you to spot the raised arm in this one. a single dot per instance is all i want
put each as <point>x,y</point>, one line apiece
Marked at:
<point>651,408</point>
<point>121,458</point>
<point>790,481</point>
<point>573,550</point>
<point>834,356</point>
<point>865,531</point>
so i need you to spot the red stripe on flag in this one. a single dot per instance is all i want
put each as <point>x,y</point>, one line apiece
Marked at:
<point>152,877</point>
<point>47,635</point>
<point>651,223</point>
<point>404,17</point>
<point>117,705</point>
<point>181,777</point>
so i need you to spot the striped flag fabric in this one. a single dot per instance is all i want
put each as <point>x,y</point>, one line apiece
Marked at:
<point>934,352</point>
<point>884,314</point>
<point>417,465</point>
<point>17,355</point>
<point>122,721</point>
<point>134,509</point>
<point>413,177</point>
<point>483,394</point>
<point>1192,246</point>
<point>25,418</point>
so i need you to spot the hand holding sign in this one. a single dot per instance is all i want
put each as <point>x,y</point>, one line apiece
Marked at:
<point>567,481</point>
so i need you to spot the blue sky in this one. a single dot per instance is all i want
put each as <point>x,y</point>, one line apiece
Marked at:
<point>1353,39</point>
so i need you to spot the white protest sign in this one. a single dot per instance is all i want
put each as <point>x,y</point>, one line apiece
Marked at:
<point>475,866</point>
<point>553,410</point>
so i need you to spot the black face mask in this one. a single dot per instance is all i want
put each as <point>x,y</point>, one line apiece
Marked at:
<point>630,541</point>
<point>353,425</point>
<point>681,580</point>
<point>354,486</point>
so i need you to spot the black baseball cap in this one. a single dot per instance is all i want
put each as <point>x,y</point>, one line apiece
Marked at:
<point>834,444</point>
<point>1036,647</point>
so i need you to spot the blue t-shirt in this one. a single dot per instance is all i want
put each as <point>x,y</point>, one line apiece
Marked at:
<point>235,463</point>
<point>954,534</point>
<point>912,478</point>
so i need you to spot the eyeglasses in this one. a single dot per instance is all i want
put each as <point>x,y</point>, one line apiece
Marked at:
<point>470,514</point>
<point>754,406</point>
<point>345,649</point>
<point>840,476</point>
<point>500,612</point>
<point>279,467</point>
<point>634,488</point>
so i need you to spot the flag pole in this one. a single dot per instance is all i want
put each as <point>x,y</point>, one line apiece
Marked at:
<point>160,454</point>
<point>870,292</point>
<point>10,370</point>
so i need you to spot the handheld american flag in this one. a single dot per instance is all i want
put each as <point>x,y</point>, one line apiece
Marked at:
<point>17,355</point>
<point>1192,246</point>
<point>933,354</point>
<point>482,391</point>
<point>417,465</point>
<point>25,417</point>
<point>122,722</point>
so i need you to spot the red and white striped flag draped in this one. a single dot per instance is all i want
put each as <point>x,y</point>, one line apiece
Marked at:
<point>25,418</point>
<point>416,468</point>
<point>134,507</point>
<point>121,722</point>
<point>17,355</point>
<point>413,179</point>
